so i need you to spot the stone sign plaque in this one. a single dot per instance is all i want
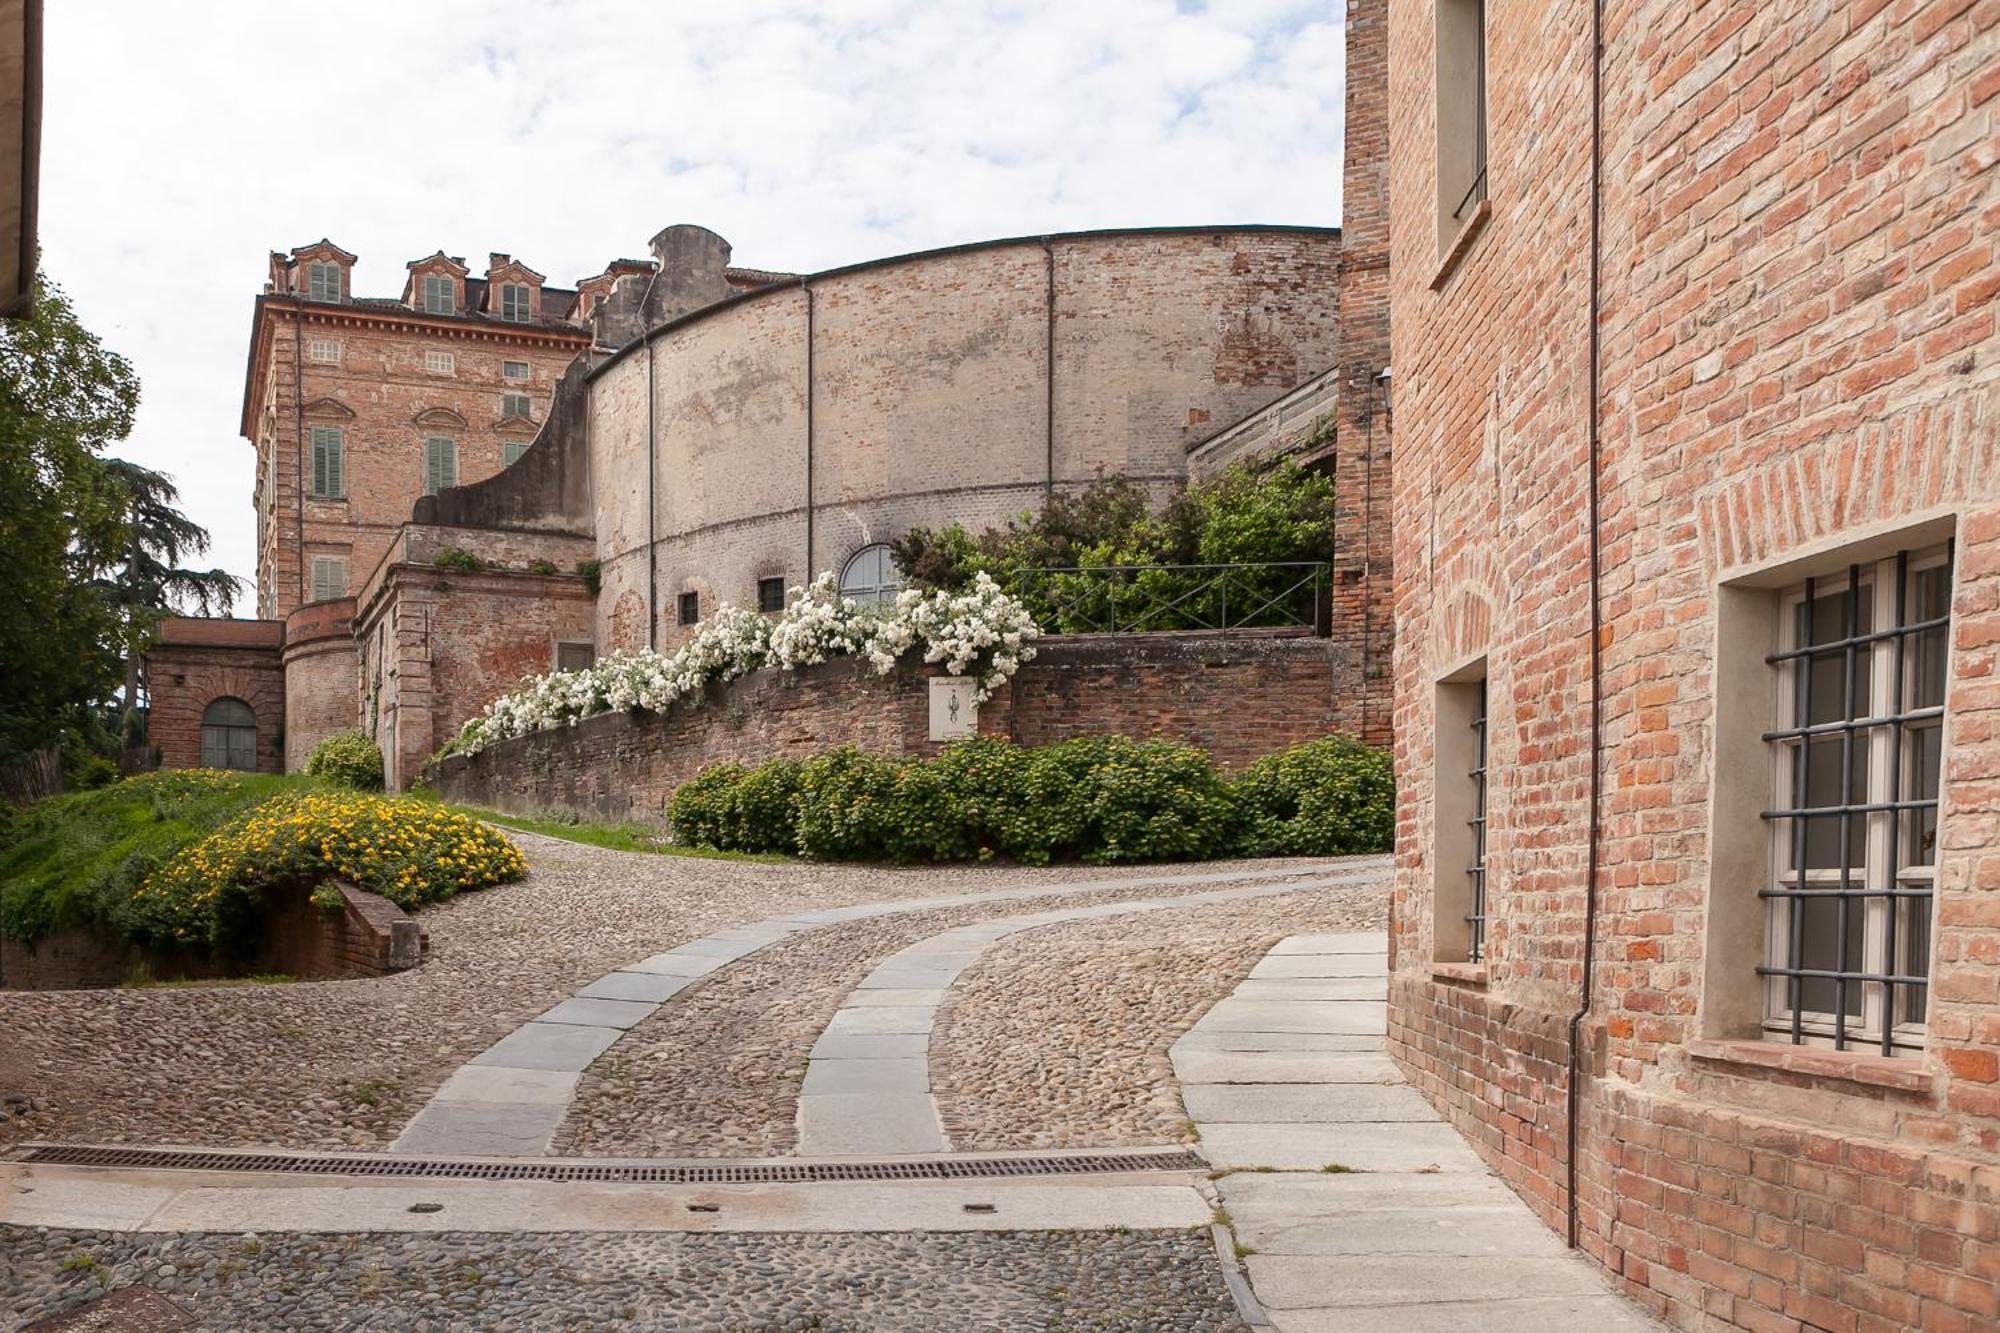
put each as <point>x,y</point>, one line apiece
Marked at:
<point>954,714</point>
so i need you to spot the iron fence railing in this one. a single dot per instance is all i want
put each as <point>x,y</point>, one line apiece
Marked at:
<point>1124,599</point>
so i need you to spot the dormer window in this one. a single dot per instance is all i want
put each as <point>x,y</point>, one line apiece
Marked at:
<point>440,294</point>
<point>323,282</point>
<point>514,303</point>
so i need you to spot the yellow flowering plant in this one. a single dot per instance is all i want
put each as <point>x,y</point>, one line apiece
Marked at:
<point>410,852</point>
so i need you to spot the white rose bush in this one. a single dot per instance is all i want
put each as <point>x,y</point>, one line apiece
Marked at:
<point>980,632</point>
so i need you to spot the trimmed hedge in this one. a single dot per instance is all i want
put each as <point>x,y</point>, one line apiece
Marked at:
<point>1099,799</point>
<point>348,759</point>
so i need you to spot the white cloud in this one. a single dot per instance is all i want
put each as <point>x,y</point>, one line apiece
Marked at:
<point>178,149</point>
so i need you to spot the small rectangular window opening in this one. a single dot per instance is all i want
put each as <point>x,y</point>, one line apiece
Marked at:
<point>514,405</point>
<point>690,608</point>
<point>440,363</point>
<point>771,593</point>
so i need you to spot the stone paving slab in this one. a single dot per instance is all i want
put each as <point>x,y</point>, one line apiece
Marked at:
<point>863,999</point>
<point>1322,965</point>
<point>881,1020</point>
<point>1211,1066</point>
<point>1360,1147</point>
<point>549,1046</point>
<point>481,1129</point>
<point>1352,941</point>
<point>866,1076</point>
<point>582,1011</point>
<point>1416,1234</point>
<point>646,986</point>
<point>850,1124</point>
<point>501,1083</point>
<point>1315,988</point>
<point>672,964</point>
<point>1305,1103</point>
<point>904,1046</point>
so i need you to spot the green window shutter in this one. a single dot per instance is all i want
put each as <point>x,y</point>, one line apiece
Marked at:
<point>511,451</point>
<point>329,452</point>
<point>440,464</point>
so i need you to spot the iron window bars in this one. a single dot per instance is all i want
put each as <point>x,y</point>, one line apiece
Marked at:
<point>1862,666</point>
<point>1476,872</point>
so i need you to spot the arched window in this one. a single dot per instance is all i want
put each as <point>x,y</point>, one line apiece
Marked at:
<point>229,736</point>
<point>870,577</point>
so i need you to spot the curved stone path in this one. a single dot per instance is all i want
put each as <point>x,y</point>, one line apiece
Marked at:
<point>867,1088</point>
<point>510,1100</point>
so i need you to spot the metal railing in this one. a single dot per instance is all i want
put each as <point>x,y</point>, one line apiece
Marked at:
<point>1126,599</point>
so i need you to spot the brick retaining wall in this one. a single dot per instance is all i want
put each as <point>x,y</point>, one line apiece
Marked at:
<point>1239,697</point>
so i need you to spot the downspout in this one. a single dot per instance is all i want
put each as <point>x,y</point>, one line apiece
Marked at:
<point>299,436</point>
<point>652,471</point>
<point>806,287</point>
<point>1574,1089</point>
<point>1049,368</point>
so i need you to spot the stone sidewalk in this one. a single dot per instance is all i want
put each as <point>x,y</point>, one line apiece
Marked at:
<point>1356,1206</point>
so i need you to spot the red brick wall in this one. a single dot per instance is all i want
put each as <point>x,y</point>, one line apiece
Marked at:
<point>1798,348</point>
<point>368,937</point>
<point>1241,698</point>
<point>196,662</point>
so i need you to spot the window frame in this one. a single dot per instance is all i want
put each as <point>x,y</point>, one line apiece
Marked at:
<point>1888,890</point>
<point>318,563</point>
<point>440,294</point>
<point>517,303</point>
<point>511,451</point>
<point>771,593</point>
<point>510,401</point>
<point>440,363</point>
<point>316,289</point>
<point>229,737</point>
<point>882,591</point>
<point>507,372</point>
<point>687,608</point>
<point>328,447</point>
<point>1461,788</point>
<point>1462,157</point>
<point>316,346</point>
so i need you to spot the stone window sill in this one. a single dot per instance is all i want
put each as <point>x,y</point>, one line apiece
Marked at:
<point>1876,1071</point>
<point>1469,974</point>
<point>1460,244</point>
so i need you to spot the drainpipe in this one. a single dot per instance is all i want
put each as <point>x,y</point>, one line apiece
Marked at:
<point>1574,1089</point>
<point>299,437</point>
<point>806,287</point>
<point>652,471</point>
<point>1049,367</point>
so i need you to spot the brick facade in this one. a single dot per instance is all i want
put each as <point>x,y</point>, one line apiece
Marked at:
<point>1241,698</point>
<point>1798,353</point>
<point>196,662</point>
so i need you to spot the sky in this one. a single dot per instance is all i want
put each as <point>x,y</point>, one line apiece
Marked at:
<point>182,142</point>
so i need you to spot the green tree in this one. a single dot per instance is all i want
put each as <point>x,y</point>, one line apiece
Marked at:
<point>63,399</point>
<point>149,584</point>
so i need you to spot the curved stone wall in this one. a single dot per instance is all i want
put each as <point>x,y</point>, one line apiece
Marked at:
<point>322,672</point>
<point>776,433</point>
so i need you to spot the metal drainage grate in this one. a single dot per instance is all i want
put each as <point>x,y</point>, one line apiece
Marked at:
<point>679,1173</point>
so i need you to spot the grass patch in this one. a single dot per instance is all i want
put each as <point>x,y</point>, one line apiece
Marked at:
<point>616,837</point>
<point>1337,1169</point>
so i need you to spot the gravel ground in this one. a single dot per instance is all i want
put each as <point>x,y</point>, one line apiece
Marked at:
<point>748,1032</point>
<point>1058,1038</point>
<point>1162,1281</point>
<point>345,1064</point>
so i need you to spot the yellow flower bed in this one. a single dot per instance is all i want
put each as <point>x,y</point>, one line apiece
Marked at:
<point>410,852</point>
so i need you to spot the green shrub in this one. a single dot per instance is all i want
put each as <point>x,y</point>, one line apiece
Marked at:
<point>701,812</point>
<point>1109,798</point>
<point>592,574</point>
<point>1332,797</point>
<point>457,557</point>
<point>760,813</point>
<point>348,759</point>
<point>847,807</point>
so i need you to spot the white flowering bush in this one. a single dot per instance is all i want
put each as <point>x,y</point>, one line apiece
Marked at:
<point>980,632</point>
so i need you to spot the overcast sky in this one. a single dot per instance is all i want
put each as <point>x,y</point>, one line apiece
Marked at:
<point>184,141</point>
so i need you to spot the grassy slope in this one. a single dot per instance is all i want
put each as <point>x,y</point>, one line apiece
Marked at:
<point>618,837</point>
<point>72,858</point>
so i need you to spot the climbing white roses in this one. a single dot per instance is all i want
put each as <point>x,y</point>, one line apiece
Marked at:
<point>981,632</point>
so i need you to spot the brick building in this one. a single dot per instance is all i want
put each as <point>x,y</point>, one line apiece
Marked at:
<point>1696,927</point>
<point>436,470</point>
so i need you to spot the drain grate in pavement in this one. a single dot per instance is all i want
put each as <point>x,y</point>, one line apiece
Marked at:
<point>638,1173</point>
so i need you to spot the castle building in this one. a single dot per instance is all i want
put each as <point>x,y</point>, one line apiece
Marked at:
<point>1696,929</point>
<point>486,477</point>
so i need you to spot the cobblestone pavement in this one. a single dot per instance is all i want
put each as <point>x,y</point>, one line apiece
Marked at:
<point>345,1064</point>
<point>1059,1038</point>
<point>716,1071</point>
<point>1163,1282</point>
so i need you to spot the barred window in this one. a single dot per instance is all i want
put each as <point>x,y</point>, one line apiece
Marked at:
<point>329,463</point>
<point>690,608</point>
<point>1475,870</point>
<point>771,593</point>
<point>1857,752</point>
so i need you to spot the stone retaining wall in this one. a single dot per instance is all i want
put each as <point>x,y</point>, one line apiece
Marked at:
<point>1239,697</point>
<point>370,936</point>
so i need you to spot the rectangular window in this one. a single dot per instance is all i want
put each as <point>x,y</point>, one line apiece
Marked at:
<point>1857,755</point>
<point>690,608</point>
<point>1461,908</point>
<point>514,302</point>
<point>1461,114</point>
<point>440,463</point>
<point>329,577</point>
<point>323,282</point>
<point>329,463</point>
<point>440,363</point>
<point>514,405</point>
<point>574,656</point>
<point>440,294</point>
<point>323,350</point>
<point>771,594</point>
<point>511,451</point>
<point>514,370</point>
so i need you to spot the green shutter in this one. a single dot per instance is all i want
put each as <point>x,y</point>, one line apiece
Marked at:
<point>329,476</point>
<point>510,453</point>
<point>440,464</point>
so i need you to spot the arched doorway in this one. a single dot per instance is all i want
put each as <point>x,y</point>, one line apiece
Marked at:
<point>229,736</point>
